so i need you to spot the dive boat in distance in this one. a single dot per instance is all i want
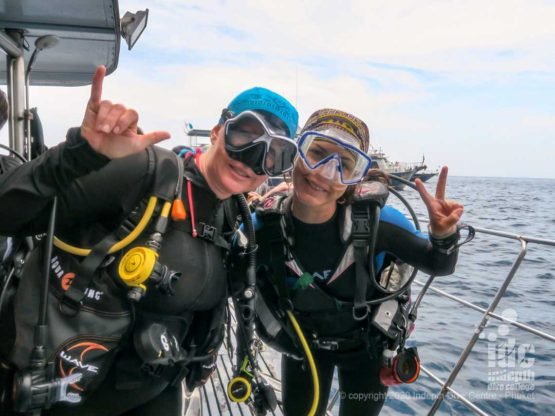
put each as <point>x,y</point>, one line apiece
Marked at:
<point>423,176</point>
<point>408,171</point>
<point>422,173</point>
<point>399,169</point>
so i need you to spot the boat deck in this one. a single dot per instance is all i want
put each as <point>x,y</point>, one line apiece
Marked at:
<point>213,396</point>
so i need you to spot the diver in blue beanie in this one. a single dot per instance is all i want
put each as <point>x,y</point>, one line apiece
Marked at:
<point>170,276</point>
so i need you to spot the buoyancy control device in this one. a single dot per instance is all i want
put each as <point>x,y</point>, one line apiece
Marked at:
<point>388,309</point>
<point>65,352</point>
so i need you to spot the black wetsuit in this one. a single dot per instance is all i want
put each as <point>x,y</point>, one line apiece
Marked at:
<point>319,250</point>
<point>94,196</point>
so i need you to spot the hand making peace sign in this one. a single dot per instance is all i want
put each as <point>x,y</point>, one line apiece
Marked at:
<point>111,129</point>
<point>444,214</point>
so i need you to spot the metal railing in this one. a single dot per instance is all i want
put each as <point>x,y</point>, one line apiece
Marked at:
<point>488,313</point>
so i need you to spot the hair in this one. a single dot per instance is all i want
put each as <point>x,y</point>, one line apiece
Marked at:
<point>373,175</point>
<point>3,108</point>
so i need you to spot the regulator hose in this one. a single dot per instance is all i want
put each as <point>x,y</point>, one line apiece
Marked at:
<point>311,363</point>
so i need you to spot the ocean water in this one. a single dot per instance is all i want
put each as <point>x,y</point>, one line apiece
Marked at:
<point>509,371</point>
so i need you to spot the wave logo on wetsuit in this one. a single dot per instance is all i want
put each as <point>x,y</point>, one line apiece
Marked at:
<point>81,358</point>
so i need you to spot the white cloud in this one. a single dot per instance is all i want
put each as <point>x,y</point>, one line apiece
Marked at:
<point>407,31</point>
<point>395,64</point>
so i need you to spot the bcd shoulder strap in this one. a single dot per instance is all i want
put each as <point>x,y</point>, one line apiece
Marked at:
<point>273,213</point>
<point>369,198</point>
<point>161,168</point>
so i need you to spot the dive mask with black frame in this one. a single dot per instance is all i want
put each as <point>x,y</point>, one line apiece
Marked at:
<point>333,157</point>
<point>253,141</point>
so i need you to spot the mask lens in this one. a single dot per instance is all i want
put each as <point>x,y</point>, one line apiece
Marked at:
<point>252,156</point>
<point>243,130</point>
<point>280,157</point>
<point>317,149</point>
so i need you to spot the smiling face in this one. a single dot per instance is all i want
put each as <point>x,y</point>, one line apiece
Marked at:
<point>314,191</point>
<point>224,175</point>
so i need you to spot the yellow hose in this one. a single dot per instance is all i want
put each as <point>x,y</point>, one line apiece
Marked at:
<point>166,209</point>
<point>311,363</point>
<point>120,244</point>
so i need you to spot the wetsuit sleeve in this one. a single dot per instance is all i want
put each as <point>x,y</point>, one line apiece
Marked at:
<point>397,236</point>
<point>89,187</point>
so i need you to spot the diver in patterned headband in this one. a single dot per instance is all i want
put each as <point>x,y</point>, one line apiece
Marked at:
<point>313,274</point>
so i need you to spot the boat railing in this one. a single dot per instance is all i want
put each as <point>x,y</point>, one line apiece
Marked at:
<point>487,314</point>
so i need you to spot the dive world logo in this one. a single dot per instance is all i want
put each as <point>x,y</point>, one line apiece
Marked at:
<point>66,278</point>
<point>510,364</point>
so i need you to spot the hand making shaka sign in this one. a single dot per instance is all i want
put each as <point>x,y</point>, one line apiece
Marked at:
<point>111,129</point>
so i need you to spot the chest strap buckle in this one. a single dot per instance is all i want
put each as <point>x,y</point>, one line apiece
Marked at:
<point>206,231</point>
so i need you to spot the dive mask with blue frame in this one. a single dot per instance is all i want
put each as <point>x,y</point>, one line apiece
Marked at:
<point>333,156</point>
<point>253,140</point>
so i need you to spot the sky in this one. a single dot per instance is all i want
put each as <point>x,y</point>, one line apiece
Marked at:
<point>468,84</point>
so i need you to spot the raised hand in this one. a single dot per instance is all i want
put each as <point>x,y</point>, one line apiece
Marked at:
<point>444,214</point>
<point>111,129</point>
